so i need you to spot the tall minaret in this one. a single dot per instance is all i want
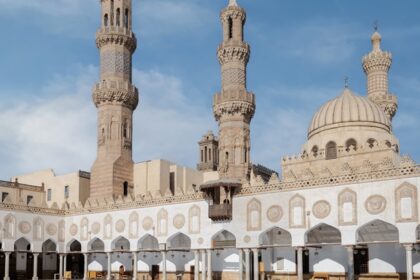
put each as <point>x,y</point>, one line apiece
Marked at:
<point>116,98</point>
<point>234,106</point>
<point>376,65</point>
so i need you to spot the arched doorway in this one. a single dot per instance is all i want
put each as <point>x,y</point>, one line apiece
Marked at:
<point>277,253</point>
<point>224,248</point>
<point>150,256</point>
<point>21,260</point>
<point>324,250</point>
<point>75,260</point>
<point>49,260</point>
<point>97,258</point>
<point>377,240</point>
<point>178,247</point>
<point>121,257</point>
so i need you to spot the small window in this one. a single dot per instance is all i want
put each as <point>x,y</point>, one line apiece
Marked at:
<point>351,145</point>
<point>125,186</point>
<point>29,199</point>
<point>331,150</point>
<point>3,196</point>
<point>49,194</point>
<point>230,27</point>
<point>126,18</point>
<point>205,154</point>
<point>106,20</point>
<point>315,151</point>
<point>172,182</point>
<point>118,16</point>
<point>66,191</point>
<point>372,143</point>
<point>388,144</point>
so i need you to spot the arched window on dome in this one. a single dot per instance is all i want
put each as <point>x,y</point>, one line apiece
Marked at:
<point>351,145</point>
<point>331,150</point>
<point>372,143</point>
<point>315,151</point>
<point>388,144</point>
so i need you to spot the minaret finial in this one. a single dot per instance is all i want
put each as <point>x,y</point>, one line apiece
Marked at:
<point>233,3</point>
<point>375,25</point>
<point>346,82</point>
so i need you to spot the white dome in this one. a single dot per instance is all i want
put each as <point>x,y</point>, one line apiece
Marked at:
<point>349,110</point>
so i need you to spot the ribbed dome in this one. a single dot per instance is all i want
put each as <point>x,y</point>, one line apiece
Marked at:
<point>348,109</point>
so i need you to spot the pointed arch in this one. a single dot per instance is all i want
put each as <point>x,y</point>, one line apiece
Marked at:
<point>74,246</point>
<point>254,215</point>
<point>162,222</point>
<point>84,224</point>
<point>406,208</point>
<point>133,225</point>
<point>297,217</point>
<point>9,227</point>
<point>275,237</point>
<point>194,220</point>
<point>108,227</point>
<point>223,239</point>
<point>331,150</point>
<point>323,234</point>
<point>120,244</point>
<point>22,245</point>
<point>148,243</point>
<point>96,245</point>
<point>347,205</point>
<point>179,241</point>
<point>49,246</point>
<point>377,231</point>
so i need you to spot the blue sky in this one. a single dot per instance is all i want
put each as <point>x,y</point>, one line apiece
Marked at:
<point>301,50</point>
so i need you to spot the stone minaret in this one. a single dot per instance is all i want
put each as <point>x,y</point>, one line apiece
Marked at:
<point>116,98</point>
<point>234,106</point>
<point>376,65</point>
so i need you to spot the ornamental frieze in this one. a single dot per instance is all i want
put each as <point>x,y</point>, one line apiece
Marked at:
<point>229,53</point>
<point>234,108</point>
<point>321,209</point>
<point>274,213</point>
<point>25,227</point>
<point>126,97</point>
<point>375,204</point>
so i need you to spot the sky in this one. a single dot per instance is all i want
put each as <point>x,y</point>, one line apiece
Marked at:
<point>301,52</point>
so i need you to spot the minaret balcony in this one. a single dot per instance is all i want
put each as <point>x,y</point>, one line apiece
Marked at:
<point>220,212</point>
<point>115,30</point>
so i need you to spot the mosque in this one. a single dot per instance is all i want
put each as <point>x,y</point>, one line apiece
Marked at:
<point>346,207</point>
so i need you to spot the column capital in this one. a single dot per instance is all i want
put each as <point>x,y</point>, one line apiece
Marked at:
<point>247,250</point>
<point>408,246</point>
<point>255,250</point>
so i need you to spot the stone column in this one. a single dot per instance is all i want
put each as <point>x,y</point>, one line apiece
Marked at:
<point>35,273</point>
<point>299,263</point>
<point>164,265</point>
<point>256,268</point>
<point>203,265</point>
<point>350,263</point>
<point>209,266</point>
<point>241,264</point>
<point>247,264</point>
<point>134,266</point>
<point>65,264</point>
<point>6,265</point>
<point>108,274</point>
<point>85,268</point>
<point>60,270</point>
<point>409,260</point>
<point>196,264</point>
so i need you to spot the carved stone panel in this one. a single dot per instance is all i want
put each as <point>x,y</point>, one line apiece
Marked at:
<point>406,204</point>
<point>297,215</point>
<point>194,219</point>
<point>179,221</point>
<point>274,213</point>
<point>147,223</point>
<point>162,223</point>
<point>10,227</point>
<point>84,229</point>
<point>321,209</point>
<point>51,229</point>
<point>38,231</point>
<point>108,227</point>
<point>254,215</point>
<point>134,225</point>
<point>73,229</point>
<point>375,204</point>
<point>25,227</point>
<point>61,231</point>
<point>96,228</point>
<point>347,208</point>
<point>120,226</point>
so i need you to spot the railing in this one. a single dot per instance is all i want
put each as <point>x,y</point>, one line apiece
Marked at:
<point>220,211</point>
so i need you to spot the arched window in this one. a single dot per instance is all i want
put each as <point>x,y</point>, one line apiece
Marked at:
<point>388,144</point>
<point>205,154</point>
<point>126,18</point>
<point>106,20</point>
<point>230,28</point>
<point>112,12</point>
<point>125,185</point>
<point>331,150</point>
<point>315,151</point>
<point>372,143</point>
<point>118,16</point>
<point>351,145</point>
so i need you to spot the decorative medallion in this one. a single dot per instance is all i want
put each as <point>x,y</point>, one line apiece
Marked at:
<point>96,227</point>
<point>147,223</point>
<point>274,213</point>
<point>321,209</point>
<point>51,229</point>
<point>200,240</point>
<point>25,227</point>
<point>375,204</point>
<point>179,221</point>
<point>247,238</point>
<point>73,229</point>
<point>120,226</point>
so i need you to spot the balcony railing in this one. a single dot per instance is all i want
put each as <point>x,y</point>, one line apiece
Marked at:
<point>220,212</point>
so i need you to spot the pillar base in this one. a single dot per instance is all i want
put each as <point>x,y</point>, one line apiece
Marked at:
<point>35,278</point>
<point>6,278</point>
